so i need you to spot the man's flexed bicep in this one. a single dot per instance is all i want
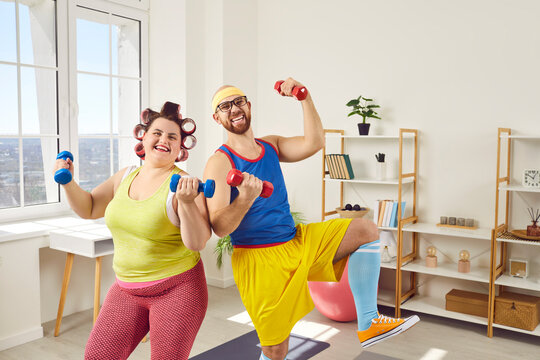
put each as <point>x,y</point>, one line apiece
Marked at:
<point>225,216</point>
<point>298,148</point>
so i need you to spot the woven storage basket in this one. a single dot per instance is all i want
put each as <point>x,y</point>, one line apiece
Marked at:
<point>348,214</point>
<point>517,310</point>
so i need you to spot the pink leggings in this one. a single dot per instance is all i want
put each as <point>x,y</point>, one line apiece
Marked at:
<point>172,311</point>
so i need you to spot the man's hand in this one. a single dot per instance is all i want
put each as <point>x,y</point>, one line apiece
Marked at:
<point>250,188</point>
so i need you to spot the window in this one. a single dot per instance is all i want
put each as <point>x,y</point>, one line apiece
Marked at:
<point>28,97</point>
<point>108,91</point>
<point>88,108</point>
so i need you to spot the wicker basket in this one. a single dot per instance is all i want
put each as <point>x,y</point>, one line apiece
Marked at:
<point>517,310</point>
<point>350,214</point>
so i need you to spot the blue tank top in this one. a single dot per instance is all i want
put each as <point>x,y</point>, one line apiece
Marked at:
<point>268,221</point>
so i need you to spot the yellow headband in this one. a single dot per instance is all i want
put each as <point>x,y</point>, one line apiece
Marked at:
<point>223,93</point>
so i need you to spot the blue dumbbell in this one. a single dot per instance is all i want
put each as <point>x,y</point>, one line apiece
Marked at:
<point>63,176</point>
<point>206,188</point>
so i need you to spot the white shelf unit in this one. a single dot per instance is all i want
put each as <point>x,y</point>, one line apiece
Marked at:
<point>520,188</point>
<point>385,297</point>
<point>501,238</point>
<point>414,301</point>
<point>436,306</point>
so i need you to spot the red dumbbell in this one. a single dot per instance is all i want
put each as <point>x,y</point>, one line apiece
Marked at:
<point>235,177</point>
<point>299,92</point>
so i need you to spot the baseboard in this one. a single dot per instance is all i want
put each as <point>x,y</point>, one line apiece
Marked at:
<point>21,338</point>
<point>219,282</point>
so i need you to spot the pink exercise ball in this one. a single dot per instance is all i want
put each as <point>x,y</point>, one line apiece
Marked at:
<point>334,299</point>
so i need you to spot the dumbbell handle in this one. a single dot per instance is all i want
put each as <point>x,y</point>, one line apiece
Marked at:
<point>63,176</point>
<point>235,178</point>
<point>207,188</point>
<point>299,92</point>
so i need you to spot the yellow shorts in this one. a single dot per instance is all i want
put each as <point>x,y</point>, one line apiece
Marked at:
<point>272,281</point>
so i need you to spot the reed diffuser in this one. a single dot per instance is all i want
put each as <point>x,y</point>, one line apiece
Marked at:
<point>534,229</point>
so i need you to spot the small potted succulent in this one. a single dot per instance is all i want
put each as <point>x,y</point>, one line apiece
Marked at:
<point>362,106</point>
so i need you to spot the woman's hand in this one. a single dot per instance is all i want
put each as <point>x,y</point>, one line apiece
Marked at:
<point>187,189</point>
<point>63,164</point>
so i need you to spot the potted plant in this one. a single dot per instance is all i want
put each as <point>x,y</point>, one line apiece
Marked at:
<point>224,245</point>
<point>361,106</point>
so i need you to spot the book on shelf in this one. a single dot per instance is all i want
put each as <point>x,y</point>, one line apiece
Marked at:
<point>382,208</point>
<point>337,161</point>
<point>331,167</point>
<point>386,213</point>
<point>339,166</point>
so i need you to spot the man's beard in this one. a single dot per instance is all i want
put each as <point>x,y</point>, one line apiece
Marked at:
<point>239,131</point>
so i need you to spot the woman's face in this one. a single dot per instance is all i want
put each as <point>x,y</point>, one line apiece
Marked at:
<point>162,141</point>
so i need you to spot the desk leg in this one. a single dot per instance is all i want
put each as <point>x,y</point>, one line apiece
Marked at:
<point>97,288</point>
<point>65,283</point>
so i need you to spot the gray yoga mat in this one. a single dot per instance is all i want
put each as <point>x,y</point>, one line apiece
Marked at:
<point>366,355</point>
<point>248,347</point>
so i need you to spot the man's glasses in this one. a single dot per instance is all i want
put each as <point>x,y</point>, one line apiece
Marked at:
<point>227,105</point>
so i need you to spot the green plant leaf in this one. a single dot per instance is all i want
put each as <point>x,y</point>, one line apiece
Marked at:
<point>224,244</point>
<point>373,106</point>
<point>353,102</point>
<point>376,117</point>
<point>354,113</point>
<point>368,99</point>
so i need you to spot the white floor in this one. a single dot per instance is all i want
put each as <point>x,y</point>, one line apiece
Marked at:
<point>433,338</point>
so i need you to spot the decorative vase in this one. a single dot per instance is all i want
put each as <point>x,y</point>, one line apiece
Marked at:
<point>533,230</point>
<point>363,128</point>
<point>381,170</point>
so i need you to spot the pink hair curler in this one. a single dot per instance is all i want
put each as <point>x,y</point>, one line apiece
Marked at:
<point>183,155</point>
<point>188,126</point>
<point>189,142</point>
<point>139,150</point>
<point>138,131</point>
<point>145,116</point>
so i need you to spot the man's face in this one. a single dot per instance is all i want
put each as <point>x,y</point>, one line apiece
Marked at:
<point>234,113</point>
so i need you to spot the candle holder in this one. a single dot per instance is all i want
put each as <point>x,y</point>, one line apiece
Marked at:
<point>464,265</point>
<point>431,258</point>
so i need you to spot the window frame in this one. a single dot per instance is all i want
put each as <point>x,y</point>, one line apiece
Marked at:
<point>67,108</point>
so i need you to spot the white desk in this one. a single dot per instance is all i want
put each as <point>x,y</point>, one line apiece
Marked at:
<point>92,240</point>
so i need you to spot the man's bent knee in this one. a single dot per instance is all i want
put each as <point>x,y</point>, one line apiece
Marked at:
<point>277,352</point>
<point>365,231</point>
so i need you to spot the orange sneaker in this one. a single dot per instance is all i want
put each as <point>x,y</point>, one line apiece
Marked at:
<point>385,327</point>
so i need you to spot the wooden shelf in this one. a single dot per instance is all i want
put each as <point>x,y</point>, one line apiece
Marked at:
<point>371,181</point>
<point>520,188</point>
<point>479,274</point>
<point>437,306</point>
<point>500,243</point>
<point>387,228</point>
<point>535,332</point>
<point>370,137</point>
<point>385,297</point>
<point>427,228</point>
<point>520,137</point>
<point>507,237</point>
<point>389,265</point>
<point>530,283</point>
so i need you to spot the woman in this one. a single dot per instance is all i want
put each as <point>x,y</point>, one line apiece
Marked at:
<point>160,286</point>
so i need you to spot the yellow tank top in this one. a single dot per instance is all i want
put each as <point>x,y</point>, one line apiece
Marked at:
<point>147,246</point>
